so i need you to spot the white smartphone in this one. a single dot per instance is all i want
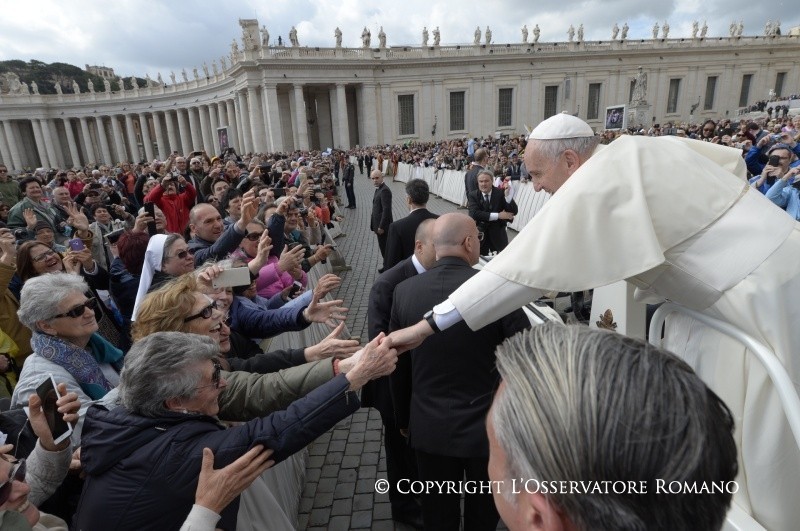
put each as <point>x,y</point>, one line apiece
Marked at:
<point>48,393</point>
<point>237,276</point>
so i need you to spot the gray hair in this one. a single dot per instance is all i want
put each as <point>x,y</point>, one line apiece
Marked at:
<point>161,366</point>
<point>41,296</point>
<point>551,149</point>
<point>592,405</point>
<point>485,172</point>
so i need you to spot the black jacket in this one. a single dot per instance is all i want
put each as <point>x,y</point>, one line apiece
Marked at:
<point>381,209</point>
<point>142,472</point>
<point>495,237</point>
<point>444,395</point>
<point>400,243</point>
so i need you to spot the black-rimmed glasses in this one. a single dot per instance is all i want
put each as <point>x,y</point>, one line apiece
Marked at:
<point>44,256</point>
<point>78,310</point>
<point>254,236</point>
<point>205,313</point>
<point>215,376</point>
<point>182,254</point>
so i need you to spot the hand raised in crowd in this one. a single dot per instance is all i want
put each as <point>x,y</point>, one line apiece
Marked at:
<point>332,346</point>
<point>290,258</point>
<point>311,218</point>
<point>77,219</point>
<point>377,359</point>
<point>262,253</point>
<point>326,284</point>
<point>322,251</point>
<point>30,218</point>
<point>249,209</point>
<point>217,488</point>
<point>325,312</point>
<point>791,174</point>
<point>8,248</point>
<point>67,405</point>
<point>140,225</point>
<point>283,208</point>
<point>73,260</point>
<point>206,278</point>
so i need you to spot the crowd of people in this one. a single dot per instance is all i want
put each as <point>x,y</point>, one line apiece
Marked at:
<point>117,282</point>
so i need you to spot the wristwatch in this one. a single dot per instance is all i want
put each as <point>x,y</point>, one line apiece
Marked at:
<point>431,321</point>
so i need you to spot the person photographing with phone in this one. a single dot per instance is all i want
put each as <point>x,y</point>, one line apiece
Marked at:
<point>175,197</point>
<point>783,169</point>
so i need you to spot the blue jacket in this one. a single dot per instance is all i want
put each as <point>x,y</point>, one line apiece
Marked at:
<point>205,250</point>
<point>786,196</point>
<point>142,472</point>
<point>253,321</point>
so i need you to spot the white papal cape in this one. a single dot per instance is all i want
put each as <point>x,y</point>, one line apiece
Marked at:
<point>677,219</point>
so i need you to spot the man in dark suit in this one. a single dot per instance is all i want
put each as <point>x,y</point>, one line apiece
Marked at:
<point>443,397</point>
<point>492,209</point>
<point>400,460</point>
<point>400,242</point>
<point>381,212</point>
<point>471,177</point>
<point>349,180</point>
<point>368,162</point>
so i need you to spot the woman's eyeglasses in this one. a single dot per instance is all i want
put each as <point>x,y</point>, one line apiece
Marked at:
<point>205,313</point>
<point>253,236</point>
<point>78,310</point>
<point>215,376</point>
<point>17,474</point>
<point>182,254</point>
<point>44,256</point>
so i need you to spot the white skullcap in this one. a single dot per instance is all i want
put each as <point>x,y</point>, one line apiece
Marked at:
<point>561,126</point>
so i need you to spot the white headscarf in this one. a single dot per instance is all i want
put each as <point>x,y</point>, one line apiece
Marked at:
<point>153,257</point>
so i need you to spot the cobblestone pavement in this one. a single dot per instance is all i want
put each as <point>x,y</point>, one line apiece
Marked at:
<point>345,462</point>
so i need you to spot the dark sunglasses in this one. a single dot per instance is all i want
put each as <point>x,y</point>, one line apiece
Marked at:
<point>205,313</point>
<point>182,254</point>
<point>17,474</point>
<point>254,236</point>
<point>78,310</point>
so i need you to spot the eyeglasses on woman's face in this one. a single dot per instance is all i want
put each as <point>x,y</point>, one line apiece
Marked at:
<point>79,310</point>
<point>205,313</point>
<point>44,256</point>
<point>215,376</point>
<point>17,474</point>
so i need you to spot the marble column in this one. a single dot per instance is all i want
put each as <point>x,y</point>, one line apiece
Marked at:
<point>234,140</point>
<point>194,131</point>
<point>13,149</point>
<point>144,127</point>
<point>103,139</point>
<point>272,116</point>
<point>49,144</point>
<point>183,128</point>
<point>256,117</point>
<point>74,154</point>
<point>213,117</point>
<point>132,143</point>
<point>341,117</point>
<point>205,127</point>
<point>5,156</point>
<point>119,140</point>
<point>174,142</point>
<point>162,146</point>
<point>244,117</point>
<point>40,146</point>
<point>369,114</point>
<point>91,156</point>
<point>300,117</point>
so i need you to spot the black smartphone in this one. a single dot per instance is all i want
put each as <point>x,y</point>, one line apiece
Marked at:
<point>150,209</point>
<point>774,160</point>
<point>112,237</point>
<point>48,393</point>
<point>296,287</point>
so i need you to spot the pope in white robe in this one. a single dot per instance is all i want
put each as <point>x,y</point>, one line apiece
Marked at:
<point>677,219</point>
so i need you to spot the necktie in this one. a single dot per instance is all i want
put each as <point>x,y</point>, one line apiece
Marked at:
<point>486,200</point>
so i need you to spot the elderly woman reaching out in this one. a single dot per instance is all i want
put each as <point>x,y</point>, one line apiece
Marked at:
<point>142,459</point>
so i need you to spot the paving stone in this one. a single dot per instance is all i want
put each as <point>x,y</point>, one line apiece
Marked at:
<point>313,474</point>
<point>382,511</point>
<point>362,502</point>
<point>339,523</point>
<point>309,490</point>
<point>367,472</point>
<point>344,506</point>
<point>315,461</point>
<point>327,485</point>
<point>364,486</point>
<point>373,424</point>
<point>348,475</point>
<point>323,499</point>
<point>306,505</point>
<point>319,516</point>
<point>337,446</point>
<point>369,458</point>
<point>344,490</point>
<point>333,458</point>
<point>385,525</point>
<point>372,436</point>
<point>302,521</point>
<point>330,471</point>
<point>356,438</point>
<point>354,449</point>
<point>361,520</point>
<point>351,461</point>
<point>318,449</point>
<point>374,446</point>
<point>357,427</point>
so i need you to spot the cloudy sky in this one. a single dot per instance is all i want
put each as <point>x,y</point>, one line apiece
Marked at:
<point>138,37</point>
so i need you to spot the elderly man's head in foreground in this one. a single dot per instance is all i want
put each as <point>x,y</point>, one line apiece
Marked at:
<point>632,424</point>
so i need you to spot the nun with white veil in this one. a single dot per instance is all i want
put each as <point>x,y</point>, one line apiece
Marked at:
<point>167,257</point>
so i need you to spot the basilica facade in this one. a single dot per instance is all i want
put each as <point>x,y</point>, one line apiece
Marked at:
<point>262,96</point>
